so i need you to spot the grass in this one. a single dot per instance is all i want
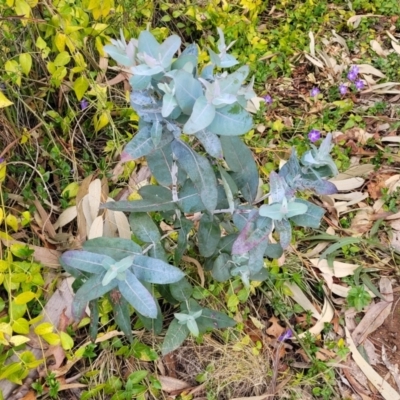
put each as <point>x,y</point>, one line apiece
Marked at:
<point>50,139</point>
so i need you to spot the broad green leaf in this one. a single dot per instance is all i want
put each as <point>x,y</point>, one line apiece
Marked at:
<point>209,235</point>
<point>137,376</point>
<point>138,296</point>
<point>200,172</point>
<point>340,243</point>
<point>189,198</point>
<point>231,120</point>
<point>169,104</point>
<point>240,160</point>
<point>193,328</point>
<point>17,340</point>
<point>80,86</point>
<point>44,328</point>
<point>160,164</point>
<point>175,336</point>
<point>202,115</point>
<point>185,227</point>
<point>181,290</point>
<point>151,270</point>
<point>85,261</point>
<point>140,82</point>
<point>144,228</point>
<point>25,61</point>
<point>156,193</point>
<point>116,248</point>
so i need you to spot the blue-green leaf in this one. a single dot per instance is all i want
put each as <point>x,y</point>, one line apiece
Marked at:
<point>221,268</point>
<point>181,290</point>
<point>144,228</point>
<point>231,120</point>
<point>148,44</point>
<point>175,336</point>
<point>152,270</point>
<point>202,115</point>
<point>187,90</point>
<point>86,261</point>
<point>138,296</point>
<point>116,248</point>
<point>121,312</point>
<point>200,172</point>
<point>210,142</point>
<point>167,50</point>
<point>311,218</point>
<point>209,235</point>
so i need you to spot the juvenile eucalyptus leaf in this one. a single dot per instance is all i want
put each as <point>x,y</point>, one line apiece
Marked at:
<point>175,336</point>
<point>187,90</point>
<point>152,270</point>
<point>85,261</point>
<point>167,50</point>
<point>200,172</point>
<point>155,193</point>
<point>256,258</point>
<point>202,115</point>
<point>137,295</point>
<point>185,227</point>
<point>210,142</point>
<point>140,82</point>
<point>226,243</point>
<point>221,268</point>
<point>156,132</point>
<point>94,319</point>
<point>209,235</point>
<point>144,228</point>
<point>160,164</point>
<point>273,250</point>
<point>231,120</point>
<point>140,206</point>
<point>92,289</point>
<point>154,325</point>
<point>233,82</point>
<point>116,248</point>
<point>148,44</point>
<point>285,232</point>
<point>311,218</point>
<point>121,312</point>
<point>181,290</point>
<point>189,198</point>
<point>240,160</point>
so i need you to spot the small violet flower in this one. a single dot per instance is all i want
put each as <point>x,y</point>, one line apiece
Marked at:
<point>268,99</point>
<point>315,92</point>
<point>285,335</point>
<point>314,135</point>
<point>359,84</point>
<point>343,89</point>
<point>84,104</point>
<point>1,160</point>
<point>353,73</point>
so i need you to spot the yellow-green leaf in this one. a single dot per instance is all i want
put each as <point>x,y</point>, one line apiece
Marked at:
<point>25,61</point>
<point>59,41</point>
<point>4,265</point>
<point>44,328</point>
<point>17,310</point>
<point>25,218</point>
<point>21,250</point>
<point>51,338</point>
<point>17,340</point>
<point>11,369</point>
<point>6,328</point>
<point>71,189</point>
<point>80,86</point>
<point>101,121</point>
<point>21,326</point>
<point>24,298</point>
<point>62,59</point>
<point>12,222</point>
<point>22,8</point>
<point>40,43</point>
<point>4,102</point>
<point>10,3</point>
<point>1,215</point>
<point>67,342</point>
<point>278,125</point>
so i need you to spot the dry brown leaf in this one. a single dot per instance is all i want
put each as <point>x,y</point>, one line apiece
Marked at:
<point>45,219</point>
<point>265,396</point>
<point>312,43</point>
<point>369,348</point>
<point>326,317</point>
<point>370,70</point>
<point>253,105</point>
<point>121,220</point>
<point>275,330</point>
<point>31,395</point>
<point>94,197</point>
<point>347,184</point>
<point>396,47</point>
<point>362,221</point>
<point>96,229</point>
<point>393,139</point>
<point>68,215</point>
<point>340,269</point>
<point>377,48</point>
<point>169,384</point>
<point>315,61</point>
<point>300,298</point>
<point>393,369</point>
<point>81,220</point>
<point>386,391</point>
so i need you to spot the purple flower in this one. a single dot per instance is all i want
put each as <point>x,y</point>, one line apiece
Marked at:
<point>285,335</point>
<point>359,84</point>
<point>1,160</point>
<point>315,92</point>
<point>353,73</point>
<point>268,99</point>
<point>84,104</point>
<point>343,89</point>
<point>314,135</point>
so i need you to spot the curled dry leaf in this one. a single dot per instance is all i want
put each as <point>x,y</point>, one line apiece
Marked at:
<point>96,229</point>
<point>346,185</point>
<point>393,369</point>
<point>396,47</point>
<point>169,384</point>
<point>326,317</point>
<point>386,391</point>
<point>68,215</point>
<point>377,48</point>
<point>300,298</point>
<point>94,196</point>
<point>340,269</point>
<point>253,105</point>
<point>370,70</point>
<point>121,220</point>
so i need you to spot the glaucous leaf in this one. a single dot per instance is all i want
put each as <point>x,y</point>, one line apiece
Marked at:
<point>137,295</point>
<point>86,261</point>
<point>202,115</point>
<point>181,290</point>
<point>121,312</point>
<point>144,228</point>
<point>285,232</point>
<point>148,44</point>
<point>221,268</point>
<point>311,218</point>
<point>175,336</point>
<point>211,143</point>
<point>231,120</point>
<point>116,248</point>
<point>208,235</point>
